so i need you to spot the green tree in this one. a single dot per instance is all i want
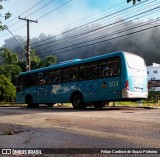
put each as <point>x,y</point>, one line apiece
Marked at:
<point>10,67</point>
<point>22,65</point>
<point>8,56</point>
<point>10,71</point>
<point>7,89</point>
<point>35,60</point>
<point>6,16</point>
<point>49,60</point>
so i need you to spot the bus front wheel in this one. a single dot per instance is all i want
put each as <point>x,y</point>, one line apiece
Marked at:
<point>29,102</point>
<point>77,101</point>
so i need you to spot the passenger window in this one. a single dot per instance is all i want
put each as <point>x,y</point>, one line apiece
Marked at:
<point>31,80</point>
<point>88,71</point>
<point>109,67</point>
<point>91,71</point>
<point>82,72</point>
<point>66,75</point>
<point>103,70</point>
<point>42,78</point>
<point>55,76</point>
<point>74,74</point>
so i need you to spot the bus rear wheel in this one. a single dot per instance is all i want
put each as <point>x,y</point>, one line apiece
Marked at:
<point>98,104</point>
<point>77,101</point>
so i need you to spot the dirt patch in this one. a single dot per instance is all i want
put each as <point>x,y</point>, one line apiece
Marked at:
<point>9,129</point>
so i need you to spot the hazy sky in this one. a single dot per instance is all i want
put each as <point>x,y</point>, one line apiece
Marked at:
<point>56,21</point>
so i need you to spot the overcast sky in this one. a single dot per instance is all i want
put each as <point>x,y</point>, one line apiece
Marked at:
<point>56,21</point>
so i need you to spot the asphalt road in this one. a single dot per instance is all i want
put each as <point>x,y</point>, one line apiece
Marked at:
<point>114,127</point>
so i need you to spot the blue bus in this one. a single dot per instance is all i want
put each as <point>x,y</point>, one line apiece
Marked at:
<point>117,76</point>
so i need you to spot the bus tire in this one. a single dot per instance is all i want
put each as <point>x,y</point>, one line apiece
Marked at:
<point>29,102</point>
<point>77,101</point>
<point>98,104</point>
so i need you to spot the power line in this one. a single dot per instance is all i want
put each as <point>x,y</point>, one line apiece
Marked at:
<point>88,17</point>
<point>80,20</point>
<point>97,29</point>
<point>107,40</point>
<point>99,38</point>
<point>44,14</point>
<point>47,13</point>
<point>41,8</point>
<point>32,12</point>
<point>55,9</point>
<point>70,46</point>
<point>25,12</point>
<point>27,15</point>
<point>15,39</point>
<point>108,16</point>
<point>46,38</point>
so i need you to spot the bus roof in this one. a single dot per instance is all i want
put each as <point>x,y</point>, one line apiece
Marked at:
<point>74,62</point>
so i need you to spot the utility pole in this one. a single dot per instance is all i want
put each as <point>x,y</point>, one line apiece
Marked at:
<point>28,59</point>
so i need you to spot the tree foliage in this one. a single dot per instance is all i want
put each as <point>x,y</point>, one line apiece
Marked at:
<point>35,60</point>
<point>11,71</point>
<point>49,60</point>
<point>8,56</point>
<point>6,16</point>
<point>11,68</point>
<point>7,89</point>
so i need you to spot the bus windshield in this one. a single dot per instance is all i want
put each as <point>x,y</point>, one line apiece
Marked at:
<point>135,62</point>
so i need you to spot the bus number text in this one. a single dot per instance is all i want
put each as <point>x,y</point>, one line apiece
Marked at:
<point>113,84</point>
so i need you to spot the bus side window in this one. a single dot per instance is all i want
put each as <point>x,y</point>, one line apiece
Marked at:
<point>103,70</point>
<point>51,76</point>
<point>41,78</point>
<point>106,72</point>
<point>66,75</point>
<point>109,67</point>
<point>115,67</point>
<point>55,76</point>
<point>82,73</point>
<point>91,71</point>
<point>74,74</point>
<point>88,71</point>
<point>58,77</point>
<point>45,77</point>
<point>31,80</point>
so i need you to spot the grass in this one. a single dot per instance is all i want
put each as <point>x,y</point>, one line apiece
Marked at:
<point>11,104</point>
<point>135,104</point>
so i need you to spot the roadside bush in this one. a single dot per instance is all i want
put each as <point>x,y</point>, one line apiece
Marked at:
<point>7,89</point>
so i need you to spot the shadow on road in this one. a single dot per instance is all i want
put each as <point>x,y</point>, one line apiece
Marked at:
<point>43,109</point>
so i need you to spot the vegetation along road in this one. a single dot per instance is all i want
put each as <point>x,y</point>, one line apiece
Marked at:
<point>110,127</point>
